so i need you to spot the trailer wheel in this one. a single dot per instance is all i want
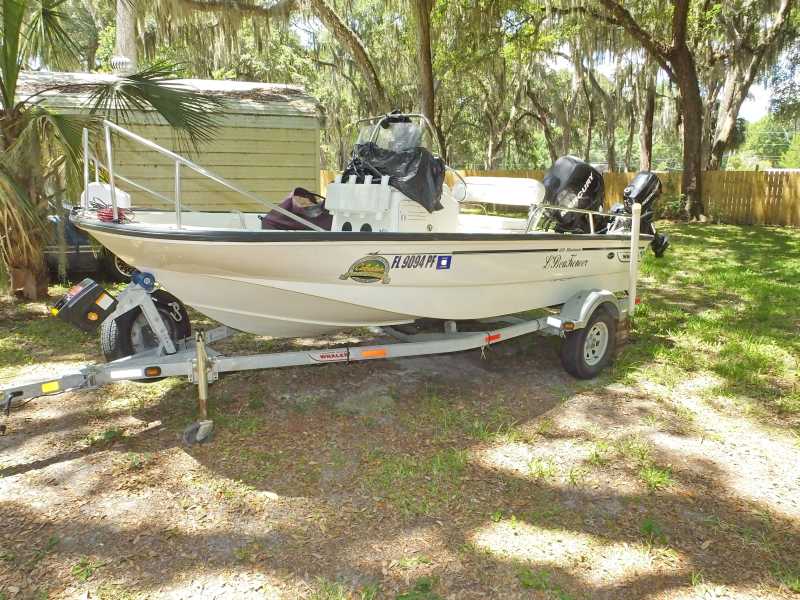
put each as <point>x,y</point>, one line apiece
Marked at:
<point>130,333</point>
<point>588,351</point>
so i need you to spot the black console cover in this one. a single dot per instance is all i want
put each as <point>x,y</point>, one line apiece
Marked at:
<point>416,172</point>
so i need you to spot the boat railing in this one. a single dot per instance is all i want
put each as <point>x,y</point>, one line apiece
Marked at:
<point>179,162</point>
<point>537,211</point>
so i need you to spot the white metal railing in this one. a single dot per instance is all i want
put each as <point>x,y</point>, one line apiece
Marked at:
<point>179,162</point>
<point>536,212</point>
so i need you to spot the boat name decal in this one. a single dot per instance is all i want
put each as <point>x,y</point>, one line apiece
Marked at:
<point>441,262</point>
<point>559,261</point>
<point>370,269</point>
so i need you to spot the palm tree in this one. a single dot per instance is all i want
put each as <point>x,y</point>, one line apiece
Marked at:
<point>40,148</point>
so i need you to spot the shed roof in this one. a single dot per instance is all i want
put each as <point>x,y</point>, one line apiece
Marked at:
<point>245,97</point>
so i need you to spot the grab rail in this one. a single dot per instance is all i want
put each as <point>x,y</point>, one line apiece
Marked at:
<point>537,210</point>
<point>179,161</point>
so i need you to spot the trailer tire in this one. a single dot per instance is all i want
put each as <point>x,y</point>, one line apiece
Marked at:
<point>130,333</point>
<point>587,351</point>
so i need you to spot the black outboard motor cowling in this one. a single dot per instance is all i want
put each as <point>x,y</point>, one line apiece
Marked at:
<point>572,183</point>
<point>644,188</point>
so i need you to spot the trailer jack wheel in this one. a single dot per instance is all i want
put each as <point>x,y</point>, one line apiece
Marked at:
<point>198,432</point>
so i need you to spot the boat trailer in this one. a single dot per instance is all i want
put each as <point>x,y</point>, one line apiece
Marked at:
<point>87,305</point>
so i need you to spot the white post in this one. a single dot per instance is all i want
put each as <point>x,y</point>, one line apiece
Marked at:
<point>114,210</point>
<point>634,262</point>
<point>178,194</point>
<point>85,168</point>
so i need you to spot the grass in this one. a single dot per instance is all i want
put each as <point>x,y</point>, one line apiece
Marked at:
<point>652,531</point>
<point>105,438</point>
<point>417,485</point>
<point>542,468</point>
<point>788,576</point>
<point>84,569</point>
<point>656,478</point>
<point>421,590</point>
<point>541,581</point>
<point>28,335</point>
<point>335,590</point>
<point>723,302</point>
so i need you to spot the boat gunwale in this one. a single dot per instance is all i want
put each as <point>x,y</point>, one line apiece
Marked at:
<point>267,235</point>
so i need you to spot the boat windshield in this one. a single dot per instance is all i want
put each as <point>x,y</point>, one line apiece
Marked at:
<point>394,136</point>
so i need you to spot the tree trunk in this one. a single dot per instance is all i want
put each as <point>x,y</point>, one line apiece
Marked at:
<point>692,115</point>
<point>22,234</point>
<point>422,13</point>
<point>646,126</point>
<point>629,142</point>
<point>740,76</point>
<point>125,58</point>
<point>590,123</point>
<point>543,117</point>
<point>737,84</point>
<point>91,53</point>
<point>610,114</point>
<point>350,40</point>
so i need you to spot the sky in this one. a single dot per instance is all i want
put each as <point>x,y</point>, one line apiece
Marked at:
<point>757,105</point>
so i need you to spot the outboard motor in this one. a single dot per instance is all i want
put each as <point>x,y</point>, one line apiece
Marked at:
<point>572,183</point>
<point>644,188</point>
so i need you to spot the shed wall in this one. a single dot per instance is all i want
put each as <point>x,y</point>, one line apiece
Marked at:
<point>267,155</point>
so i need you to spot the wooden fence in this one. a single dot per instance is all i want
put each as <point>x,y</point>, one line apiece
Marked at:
<point>735,197</point>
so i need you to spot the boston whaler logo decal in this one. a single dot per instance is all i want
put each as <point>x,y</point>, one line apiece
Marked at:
<point>369,269</point>
<point>563,260</point>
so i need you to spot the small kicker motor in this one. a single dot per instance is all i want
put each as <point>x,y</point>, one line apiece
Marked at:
<point>644,188</point>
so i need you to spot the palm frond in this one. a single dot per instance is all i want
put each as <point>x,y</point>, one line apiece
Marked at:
<point>46,40</point>
<point>19,215</point>
<point>12,18</point>
<point>193,115</point>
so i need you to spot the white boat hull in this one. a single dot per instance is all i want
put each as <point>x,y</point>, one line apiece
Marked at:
<point>288,284</point>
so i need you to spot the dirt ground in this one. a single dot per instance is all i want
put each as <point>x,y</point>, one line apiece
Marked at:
<point>458,476</point>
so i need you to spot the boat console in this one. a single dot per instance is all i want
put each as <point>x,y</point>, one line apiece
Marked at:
<point>367,204</point>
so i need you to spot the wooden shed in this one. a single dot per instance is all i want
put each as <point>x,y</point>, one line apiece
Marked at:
<point>267,142</point>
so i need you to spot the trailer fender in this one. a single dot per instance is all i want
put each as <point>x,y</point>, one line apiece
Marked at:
<point>579,309</point>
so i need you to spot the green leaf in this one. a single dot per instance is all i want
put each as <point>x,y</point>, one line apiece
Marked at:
<point>13,14</point>
<point>192,114</point>
<point>46,40</point>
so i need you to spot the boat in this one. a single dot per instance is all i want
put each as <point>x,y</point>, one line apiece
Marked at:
<point>401,244</point>
<point>394,243</point>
